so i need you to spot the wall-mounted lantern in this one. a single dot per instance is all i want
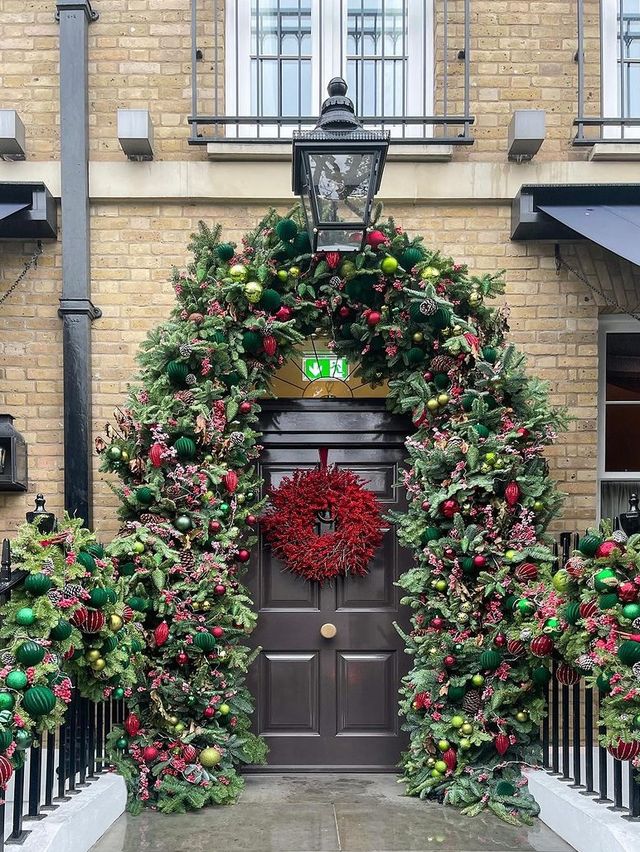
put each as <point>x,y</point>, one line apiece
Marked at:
<point>13,456</point>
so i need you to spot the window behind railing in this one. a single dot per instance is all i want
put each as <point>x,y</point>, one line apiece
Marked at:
<point>260,67</point>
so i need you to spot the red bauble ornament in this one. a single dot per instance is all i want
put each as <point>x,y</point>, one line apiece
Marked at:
<point>541,646</point>
<point>515,647</point>
<point>189,753</point>
<point>149,754</point>
<point>127,613</point>
<point>333,259</point>
<point>625,751</point>
<point>606,549</point>
<point>448,508</point>
<point>161,633</point>
<point>450,758</point>
<point>449,661</point>
<point>270,345</point>
<point>283,314</point>
<point>479,561</point>
<point>155,454</point>
<point>428,376</point>
<point>230,481</point>
<point>437,623</point>
<point>245,407</point>
<point>527,571</point>
<point>218,632</point>
<point>374,318</point>
<point>68,654</point>
<point>182,658</point>
<point>567,675</point>
<point>375,239</point>
<point>290,523</point>
<point>512,494</point>
<point>522,432</point>
<point>132,724</point>
<point>588,609</point>
<point>449,552</point>
<point>500,640</point>
<point>219,589</point>
<point>420,420</point>
<point>426,505</point>
<point>208,712</point>
<point>6,770</point>
<point>501,742</point>
<point>79,617</point>
<point>243,555</point>
<point>627,592</point>
<point>214,527</point>
<point>345,312</point>
<point>251,520</point>
<point>94,622</point>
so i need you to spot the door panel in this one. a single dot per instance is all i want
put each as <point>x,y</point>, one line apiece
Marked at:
<point>331,703</point>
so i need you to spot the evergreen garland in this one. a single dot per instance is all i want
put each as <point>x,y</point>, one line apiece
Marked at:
<point>480,499</point>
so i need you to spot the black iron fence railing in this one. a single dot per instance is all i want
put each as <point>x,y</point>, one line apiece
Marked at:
<point>570,732</point>
<point>608,58</point>
<point>259,70</point>
<point>60,763</point>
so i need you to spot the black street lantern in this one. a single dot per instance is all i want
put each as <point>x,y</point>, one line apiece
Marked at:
<point>13,456</point>
<point>337,169</point>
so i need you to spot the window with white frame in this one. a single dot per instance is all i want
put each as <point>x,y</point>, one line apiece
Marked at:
<point>618,413</point>
<point>280,55</point>
<point>620,21</point>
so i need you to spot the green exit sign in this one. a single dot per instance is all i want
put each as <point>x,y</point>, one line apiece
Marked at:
<point>324,367</point>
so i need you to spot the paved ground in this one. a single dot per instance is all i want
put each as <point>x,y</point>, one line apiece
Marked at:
<point>315,813</point>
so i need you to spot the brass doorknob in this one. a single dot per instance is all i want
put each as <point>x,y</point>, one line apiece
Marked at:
<point>328,630</point>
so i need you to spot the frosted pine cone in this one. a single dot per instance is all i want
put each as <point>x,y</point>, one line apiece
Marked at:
<point>584,663</point>
<point>619,536</point>
<point>73,590</point>
<point>335,281</point>
<point>442,363</point>
<point>525,634</point>
<point>635,668</point>
<point>428,307</point>
<point>237,438</point>
<point>185,396</point>
<point>472,702</point>
<point>148,518</point>
<point>636,623</point>
<point>191,380</point>
<point>47,564</point>
<point>55,596</point>
<point>185,350</point>
<point>7,658</point>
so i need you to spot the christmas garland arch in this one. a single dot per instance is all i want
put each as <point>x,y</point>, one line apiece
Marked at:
<point>480,499</point>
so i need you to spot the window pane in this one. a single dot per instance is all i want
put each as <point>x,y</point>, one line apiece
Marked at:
<point>614,497</point>
<point>622,437</point>
<point>623,367</point>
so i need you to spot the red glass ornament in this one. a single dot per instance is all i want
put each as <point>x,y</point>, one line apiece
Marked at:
<point>420,419</point>
<point>449,508</point>
<point>512,494</point>
<point>374,318</point>
<point>251,520</point>
<point>449,661</point>
<point>245,407</point>
<point>428,376</point>
<point>449,552</point>
<point>479,561</point>
<point>69,653</point>
<point>522,432</point>
<point>500,640</point>
<point>515,647</point>
<point>214,527</point>
<point>541,646</point>
<point>628,592</point>
<point>79,617</point>
<point>625,751</point>
<point>208,712</point>
<point>270,345</point>
<point>161,633</point>
<point>94,622</point>
<point>230,481</point>
<point>243,555</point>
<point>437,622</point>
<point>588,609</point>
<point>189,753</point>
<point>132,724</point>
<point>155,454</point>
<point>283,314</point>
<point>426,505</point>
<point>344,312</point>
<point>219,589</point>
<point>182,658</point>
<point>501,742</point>
<point>127,613</point>
<point>450,758</point>
<point>606,549</point>
<point>218,632</point>
<point>6,770</point>
<point>375,239</point>
<point>527,571</point>
<point>149,753</point>
<point>567,675</point>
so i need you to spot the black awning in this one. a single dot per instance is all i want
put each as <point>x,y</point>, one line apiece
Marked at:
<point>27,211</point>
<point>614,227</point>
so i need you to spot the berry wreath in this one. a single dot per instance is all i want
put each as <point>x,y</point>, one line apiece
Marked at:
<point>326,494</point>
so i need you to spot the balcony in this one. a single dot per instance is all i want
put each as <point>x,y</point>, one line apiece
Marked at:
<point>260,69</point>
<point>608,59</point>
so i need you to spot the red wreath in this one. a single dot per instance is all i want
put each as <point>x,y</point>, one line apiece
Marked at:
<point>330,494</point>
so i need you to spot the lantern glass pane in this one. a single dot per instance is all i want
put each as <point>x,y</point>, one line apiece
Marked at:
<point>342,183</point>
<point>349,239</point>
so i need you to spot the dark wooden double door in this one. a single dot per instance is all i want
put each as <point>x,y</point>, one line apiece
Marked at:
<point>326,704</point>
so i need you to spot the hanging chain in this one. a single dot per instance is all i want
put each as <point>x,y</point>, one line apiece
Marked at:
<point>30,264</point>
<point>561,262</point>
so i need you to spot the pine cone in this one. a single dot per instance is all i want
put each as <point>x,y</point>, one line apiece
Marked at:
<point>191,380</point>
<point>428,307</point>
<point>526,634</point>
<point>635,668</point>
<point>187,560</point>
<point>472,702</point>
<point>442,363</point>
<point>584,663</point>
<point>47,564</point>
<point>185,350</point>
<point>335,281</point>
<point>55,596</point>
<point>237,438</point>
<point>149,518</point>
<point>73,590</point>
<point>636,623</point>
<point>7,659</point>
<point>186,396</point>
<point>619,536</point>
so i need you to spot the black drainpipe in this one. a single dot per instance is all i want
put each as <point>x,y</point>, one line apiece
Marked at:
<point>76,309</point>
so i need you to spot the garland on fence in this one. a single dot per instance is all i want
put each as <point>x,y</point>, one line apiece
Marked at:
<point>66,626</point>
<point>480,500</point>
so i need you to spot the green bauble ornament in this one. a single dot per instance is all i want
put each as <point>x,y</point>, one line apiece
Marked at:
<point>144,495</point>
<point>409,257</point>
<point>7,701</point>
<point>588,544</point>
<point>210,757</point>
<point>253,291</point>
<point>415,355</point>
<point>238,272</point>
<point>441,318</point>
<point>98,597</point>
<point>177,371</point>
<point>552,626</point>
<point>441,381</point>
<point>138,603</point>
<point>114,453</point>
<point>95,549</point>
<point>183,523</point>
<point>122,743</point>
<point>127,569</point>
<point>86,560</point>
<point>525,607</point>
<point>223,508</point>
<point>251,342</point>
<point>205,641</point>
<point>38,701</point>
<point>490,660</point>
<point>482,430</point>
<point>301,243</point>
<point>456,693</point>
<point>286,229</point>
<point>118,693</point>
<point>467,565</point>
<point>25,616</point>
<point>629,652</point>
<point>6,738</point>
<point>37,584</point>
<point>541,675</point>
<point>608,600</point>
<point>225,252</point>
<point>571,612</point>
<point>30,653</point>
<point>185,448</point>
<point>467,401</point>
<point>603,682</point>
<point>23,740</point>
<point>631,611</point>
<point>490,354</point>
<point>136,646</point>
<point>562,581</point>
<point>110,644</point>
<point>430,534</point>
<point>270,301</point>
<point>605,580</point>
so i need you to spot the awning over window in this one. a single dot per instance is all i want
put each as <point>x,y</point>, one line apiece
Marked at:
<point>606,214</point>
<point>27,211</point>
<point>616,228</point>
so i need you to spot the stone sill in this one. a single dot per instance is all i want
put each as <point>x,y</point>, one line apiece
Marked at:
<point>622,152</point>
<point>274,152</point>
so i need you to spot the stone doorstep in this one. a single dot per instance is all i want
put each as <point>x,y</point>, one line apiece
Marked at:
<point>77,824</point>
<point>579,820</point>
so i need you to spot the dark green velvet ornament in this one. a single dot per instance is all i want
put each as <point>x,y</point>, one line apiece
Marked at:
<point>205,641</point>
<point>541,675</point>
<point>225,251</point>
<point>110,644</point>
<point>415,356</point>
<point>629,652</point>
<point>416,314</point>
<point>441,381</point>
<point>409,257</point>
<point>430,534</point>
<point>185,448</point>
<point>467,564</point>
<point>603,682</point>
<point>138,603</point>
<point>61,631</point>
<point>127,569</point>
<point>39,701</point>
<point>6,738</point>
<point>30,653</point>
<point>482,430</point>
<point>456,693</point>
<point>607,601</point>
<point>251,342</point>
<point>37,584</point>
<point>271,300</point>
<point>286,229</point>
<point>468,400</point>
<point>86,560</point>
<point>588,544</point>
<point>441,318</point>
<point>490,660</point>
<point>571,612</point>
<point>16,679</point>
<point>144,495</point>
<point>490,354</point>
<point>98,597</point>
<point>177,371</point>
<point>231,378</point>
<point>95,549</point>
<point>302,243</point>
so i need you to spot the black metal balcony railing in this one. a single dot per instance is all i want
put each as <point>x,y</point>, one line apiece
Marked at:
<point>259,70</point>
<point>61,763</point>
<point>608,58</point>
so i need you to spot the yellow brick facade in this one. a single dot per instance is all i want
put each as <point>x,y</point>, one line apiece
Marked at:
<point>140,56</point>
